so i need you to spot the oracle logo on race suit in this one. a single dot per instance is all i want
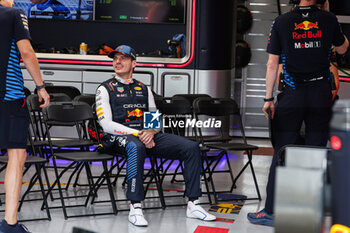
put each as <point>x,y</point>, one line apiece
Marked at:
<point>134,106</point>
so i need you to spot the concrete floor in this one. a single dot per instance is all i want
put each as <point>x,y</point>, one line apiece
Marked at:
<point>170,220</point>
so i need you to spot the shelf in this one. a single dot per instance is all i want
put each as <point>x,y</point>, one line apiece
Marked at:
<point>343,18</point>
<point>104,58</point>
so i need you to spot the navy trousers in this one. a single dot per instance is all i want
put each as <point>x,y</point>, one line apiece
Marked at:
<point>166,146</point>
<point>309,102</point>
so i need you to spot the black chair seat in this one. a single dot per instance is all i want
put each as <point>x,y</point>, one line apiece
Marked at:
<point>204,149</point>
<point>64,143</point>
<point>71,112</point>
<point>86,98</point>
<point>225,109</point>
<point>29,160</point>
<point>83,156</point>
<point>72,143</point>
<point>57,123</point>
<point>232,146</point>
<point>38,163</point>
<point>70,91</point>
<point>39,143</point>
<point>210,138</point>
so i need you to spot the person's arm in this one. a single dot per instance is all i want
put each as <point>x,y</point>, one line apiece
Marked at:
<point>274,48</point>
<point>335,72</point>
<point>271,76</point>
<point>147,135</point>
<point>105,117</point>
<point>22,38</point>
<point>30,61</point>
<point>340,41</point>
<point>152,108</point>
<point>342,48</point>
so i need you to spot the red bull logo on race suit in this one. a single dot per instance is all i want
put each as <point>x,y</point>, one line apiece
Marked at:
<point>135,113</point>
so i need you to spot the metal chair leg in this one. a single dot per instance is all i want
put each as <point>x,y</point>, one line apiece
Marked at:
<point>250,155</point>
<point>210,176</point>
<point>110,189</point>
<point>38,170</point>
<point>59,188</point>
<point>206,184</point>
<point>79,167</point>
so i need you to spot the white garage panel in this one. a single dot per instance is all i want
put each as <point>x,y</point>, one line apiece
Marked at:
<point>97,77</point>
<point>77,85</point>
<point>90,88</point>
<point>57,75</point>
<point>175,84</point>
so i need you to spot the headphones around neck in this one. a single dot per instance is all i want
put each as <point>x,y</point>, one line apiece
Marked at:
<point>298,1</point>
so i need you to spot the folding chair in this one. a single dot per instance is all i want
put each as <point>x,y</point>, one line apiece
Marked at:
<point>206,138</point>
<point>218,108</point>
<point>37,126</point>
<point>27,92</point>
<point>39,164</point>
<point>158,99</point>
<point>175,107</point>
<point>151,174</point>
<point>71,91</point>
<point>39,135</point>
<point>86,98</point>
<point>36,111</point>
<point>191,135</point>
<point>77,112</point>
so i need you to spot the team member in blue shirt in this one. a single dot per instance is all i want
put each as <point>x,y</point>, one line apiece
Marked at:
<point>14,115</point>
<point>303,39</point>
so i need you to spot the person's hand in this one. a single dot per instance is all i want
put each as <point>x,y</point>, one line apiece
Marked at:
<point>269,109</point>
<point>334,94</point>
<point>150,145</point>
<point>146,136</point>
<point>42,94</point>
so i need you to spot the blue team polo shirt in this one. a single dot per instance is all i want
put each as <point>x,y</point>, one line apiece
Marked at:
<point>14,27</point>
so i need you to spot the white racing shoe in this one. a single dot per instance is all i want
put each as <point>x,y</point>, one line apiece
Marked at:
<point>194,210</point>
<point>136,215</point>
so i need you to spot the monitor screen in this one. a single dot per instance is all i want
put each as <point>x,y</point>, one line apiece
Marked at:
<point>57,9</point>
<point>141,11</point>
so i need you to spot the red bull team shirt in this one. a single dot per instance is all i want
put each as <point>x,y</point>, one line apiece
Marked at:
<point>304,38</point>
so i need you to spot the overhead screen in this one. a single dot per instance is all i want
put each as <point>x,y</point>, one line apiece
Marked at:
<point>138,11</point>
<point>141,11</point>
<point>57,9</point>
